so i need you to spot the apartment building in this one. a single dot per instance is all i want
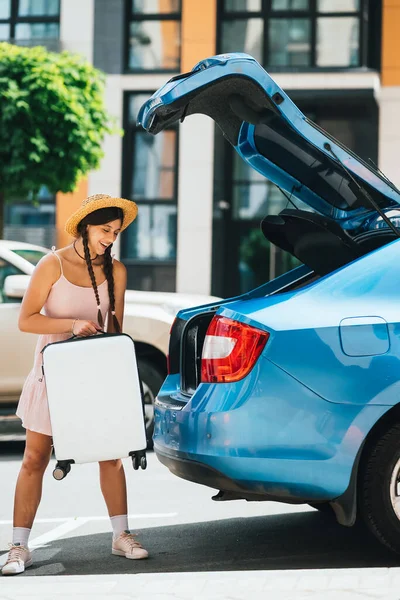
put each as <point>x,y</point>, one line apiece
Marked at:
<point>199,205</point>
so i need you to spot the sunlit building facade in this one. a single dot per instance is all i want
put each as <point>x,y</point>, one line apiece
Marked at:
<point>199,205</point>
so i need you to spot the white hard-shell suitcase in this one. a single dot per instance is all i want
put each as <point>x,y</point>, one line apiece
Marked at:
<point>95,401</point>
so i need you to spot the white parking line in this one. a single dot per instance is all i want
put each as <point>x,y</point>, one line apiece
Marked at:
<point>57,532</point>
<point>72,523</point>
<point>99,518</point>
<point>51,535</point>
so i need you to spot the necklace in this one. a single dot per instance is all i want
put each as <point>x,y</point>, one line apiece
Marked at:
<point>82,257</point>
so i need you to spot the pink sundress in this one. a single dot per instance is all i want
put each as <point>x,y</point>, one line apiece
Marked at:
<point>65,301</point>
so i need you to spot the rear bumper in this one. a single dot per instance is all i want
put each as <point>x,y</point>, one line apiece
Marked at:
<point>203,474</point>
<point>267,435</point>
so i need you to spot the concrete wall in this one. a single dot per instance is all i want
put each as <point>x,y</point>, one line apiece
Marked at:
<point>76,35</point>
<point>77,26</point>
<point>196,169</point>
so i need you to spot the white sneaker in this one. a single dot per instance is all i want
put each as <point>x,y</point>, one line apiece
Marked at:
<point>19,558</point>
<point>127,545</point>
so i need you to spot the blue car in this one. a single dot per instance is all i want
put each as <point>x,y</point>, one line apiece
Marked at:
<point>291,392</point>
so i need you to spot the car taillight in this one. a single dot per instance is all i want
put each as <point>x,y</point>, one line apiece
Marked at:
<point>230,350</point>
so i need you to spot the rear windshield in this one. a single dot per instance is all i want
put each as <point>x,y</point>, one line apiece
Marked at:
<point>284,147</point>
<point>368,166</point>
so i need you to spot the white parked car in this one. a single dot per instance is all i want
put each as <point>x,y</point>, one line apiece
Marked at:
<point>148,319</point>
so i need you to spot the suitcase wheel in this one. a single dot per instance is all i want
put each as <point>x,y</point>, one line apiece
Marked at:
<point>139,460</point>
<point>61,471</point>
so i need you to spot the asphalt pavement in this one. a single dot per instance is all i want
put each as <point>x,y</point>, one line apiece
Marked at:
<point>198,548</point>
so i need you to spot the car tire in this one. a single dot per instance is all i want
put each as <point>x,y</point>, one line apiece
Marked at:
<point>152,380</point>
<point>379,489</point>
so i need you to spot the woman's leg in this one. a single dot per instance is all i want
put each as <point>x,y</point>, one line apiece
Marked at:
<point>113,486</point>
<point>28,491</point>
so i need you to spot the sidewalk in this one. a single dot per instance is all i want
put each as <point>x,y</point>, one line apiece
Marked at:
<point>321,584</point>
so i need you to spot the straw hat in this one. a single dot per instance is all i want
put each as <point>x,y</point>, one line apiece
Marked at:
<point>97,201</point>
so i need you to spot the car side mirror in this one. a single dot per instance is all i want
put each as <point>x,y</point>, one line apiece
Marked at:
<point>15,286</point>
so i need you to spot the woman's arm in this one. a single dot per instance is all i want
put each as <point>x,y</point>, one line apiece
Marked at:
<point>30,320</point>
<point>119,272</point>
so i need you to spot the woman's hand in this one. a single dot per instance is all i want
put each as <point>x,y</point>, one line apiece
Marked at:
<point>83,328</point>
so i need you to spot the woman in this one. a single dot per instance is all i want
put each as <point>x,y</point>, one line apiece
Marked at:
<point>80,289</point>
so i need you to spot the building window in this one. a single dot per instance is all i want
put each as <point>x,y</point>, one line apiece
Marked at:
<point>150,179</point>
<point>153,35</point>
<point>297,34</point>
<point>30,22</point>
<point>31,221</point>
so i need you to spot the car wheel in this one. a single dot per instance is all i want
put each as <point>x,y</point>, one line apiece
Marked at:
<point>379,489</point>
<point>152,380</point>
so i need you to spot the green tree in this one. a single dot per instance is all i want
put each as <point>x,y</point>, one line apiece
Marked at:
<point>52,121</point>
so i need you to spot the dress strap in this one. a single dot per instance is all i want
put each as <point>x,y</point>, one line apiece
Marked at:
<point>53,249</point>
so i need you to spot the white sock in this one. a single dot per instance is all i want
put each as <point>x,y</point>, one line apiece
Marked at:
<point>21,536</point>
<point>119,524</point>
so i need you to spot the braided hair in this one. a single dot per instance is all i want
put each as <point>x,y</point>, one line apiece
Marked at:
<point>108,270</point>
<point>100,217</point>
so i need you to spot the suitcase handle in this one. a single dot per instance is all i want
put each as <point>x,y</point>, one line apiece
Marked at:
<point>73,337</point>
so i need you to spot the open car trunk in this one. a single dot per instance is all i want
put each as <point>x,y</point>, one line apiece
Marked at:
<point>273,136</point>
<point>318,241</point>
